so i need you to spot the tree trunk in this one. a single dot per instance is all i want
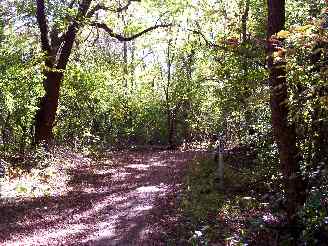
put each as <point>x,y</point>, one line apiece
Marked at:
<point>171,119</point>
<point>186,129</point>
<point>132,69</point>
<point>284,133</point>
<point>244,37</point>
<point>6,132</point>
<point>125,66</point>
<point>186,103</point>
<point>55,60</point>
<point>244,19</point>
<point>45,116</point>
<point>171,113</point>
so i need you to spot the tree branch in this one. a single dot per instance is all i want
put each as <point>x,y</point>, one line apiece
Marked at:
<point>225,48</point>
<point>44,32</point>
<point>95,9</point>
<point>71,4</point>
<point>122,38</point>
<point>103,7</point>
<point>208,43</point>
<point>126,6</point>
<point>70,35</point>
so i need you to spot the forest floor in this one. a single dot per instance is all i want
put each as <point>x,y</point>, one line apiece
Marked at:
<point>119,198</point>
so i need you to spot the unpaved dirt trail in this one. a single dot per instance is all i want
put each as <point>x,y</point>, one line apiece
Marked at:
<point>123,198</point>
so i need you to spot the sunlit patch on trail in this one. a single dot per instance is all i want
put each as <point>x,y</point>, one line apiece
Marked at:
<point>44,236</point>
<point>120,175</point>
<point>104,171</point>
<point>138,166</point>
<point>142,208</point>
<point>114,204</point>
<point>158,163</point>
<point>149,189</point>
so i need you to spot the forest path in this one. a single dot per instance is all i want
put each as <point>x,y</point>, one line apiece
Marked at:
<point>122,198</point>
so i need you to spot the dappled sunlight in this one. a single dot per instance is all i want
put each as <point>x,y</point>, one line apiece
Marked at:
<point>159,163</point>
<point>110,171</point>
<point>138,166</point>
<point>149,189</point>
<point>120,175</point>
<point>110,204</point>
<point>36,183</point>
<point>104,231</point>
<point>163,122</point>
<point>44,236</point>
<point>142,208</point>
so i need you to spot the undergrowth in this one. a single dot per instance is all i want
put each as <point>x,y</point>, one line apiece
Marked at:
<point>248,211</point>
<point>37,173</point>
<point>232,216</point>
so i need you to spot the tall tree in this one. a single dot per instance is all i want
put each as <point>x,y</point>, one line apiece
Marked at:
<point>57,48</point>
<point>171,112</point>
<point>244,19</point>
<point>284,131</point>
<point>56,60</point>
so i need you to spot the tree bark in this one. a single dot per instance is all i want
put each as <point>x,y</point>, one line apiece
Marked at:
<point>244,19</point>
<point>125,66</point>
<point>169,111</point>
<point>132,67</point>
<point>172,129</point>
<point>55,61</point>
<point>284,132</point>
<point>186,103</point>
<point>45,116</point>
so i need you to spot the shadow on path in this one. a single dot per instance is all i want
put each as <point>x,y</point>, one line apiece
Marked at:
<point>120,199</point>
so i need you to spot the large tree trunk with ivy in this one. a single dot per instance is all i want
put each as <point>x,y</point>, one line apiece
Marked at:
<point>284,131</point>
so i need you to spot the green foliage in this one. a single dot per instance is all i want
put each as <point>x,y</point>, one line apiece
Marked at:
<point>306,55</point>
<point>37,174</point>
<point>96,109</point>
<point>19,88</point>
<point>234,214</point>
<point>217,84</point>
<point>202,198</point>
<point>314,217</point>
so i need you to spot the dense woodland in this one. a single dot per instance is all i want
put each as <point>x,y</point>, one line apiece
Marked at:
<point>244,82</point>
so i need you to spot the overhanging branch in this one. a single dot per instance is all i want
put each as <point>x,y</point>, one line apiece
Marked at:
<point>126,6</point>
<point>103,7</point>
<point>224,47</point>
<point>208,43</point>
<point>71,33</point>
<point>95,9</point>
<point>122,38</point>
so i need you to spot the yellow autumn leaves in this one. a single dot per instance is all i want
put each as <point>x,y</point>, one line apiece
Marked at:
<point>299,29</point>
<point>283,34</point>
